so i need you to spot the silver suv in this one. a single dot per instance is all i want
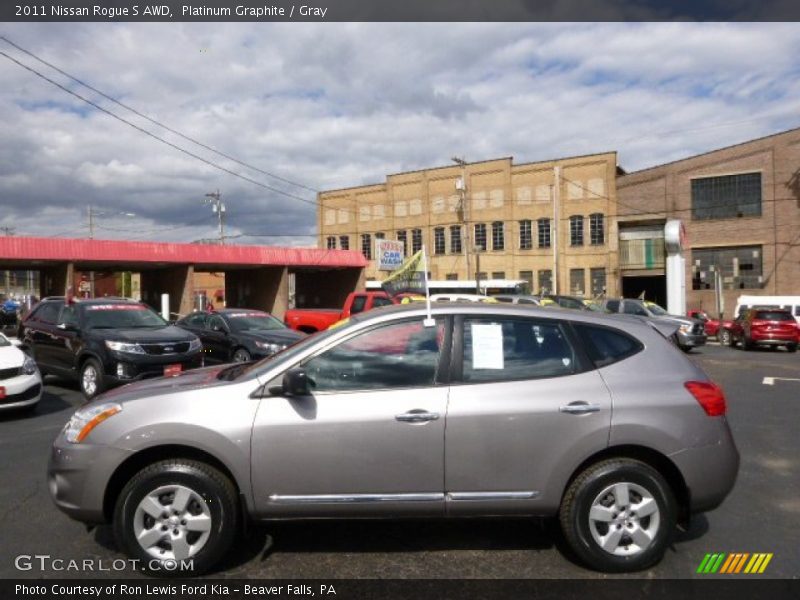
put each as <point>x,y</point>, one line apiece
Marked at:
<point>485,410</point>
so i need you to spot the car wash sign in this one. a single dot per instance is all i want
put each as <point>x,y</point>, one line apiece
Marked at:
<point>389,254</point>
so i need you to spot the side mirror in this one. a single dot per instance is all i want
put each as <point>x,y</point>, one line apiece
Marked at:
<point>67,327</point>
<point>296,383</point>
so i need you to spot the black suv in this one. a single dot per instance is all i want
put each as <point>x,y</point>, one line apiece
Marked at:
<point>105,342</point>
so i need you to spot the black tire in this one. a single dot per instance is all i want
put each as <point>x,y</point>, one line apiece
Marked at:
<point>215,489</point>
<point>241,355</point>
<point>685,349</point>
<point>791,347</point>
<point>100,385</point>
<point>725,338</point>
<point>588,487</point>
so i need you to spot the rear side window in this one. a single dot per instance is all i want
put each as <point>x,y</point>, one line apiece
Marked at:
<point>773,315</point>
<point>358,304</point>
<point>48,313</point>
<point>631,308</point>
<point>612,306</point>
<point>605,345</point>
<point>380,301</point>
<point>509,349</point>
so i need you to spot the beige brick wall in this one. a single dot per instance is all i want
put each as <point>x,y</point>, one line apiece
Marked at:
<point>497,190</point>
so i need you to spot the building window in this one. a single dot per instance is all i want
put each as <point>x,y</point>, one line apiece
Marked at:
<point>726,197</point>
<point>525,235</point>
<point>331,242</point>
<point>480,236</point>
<point>577,282</point>
<point>498,274</point>
<point>455,239</point>
<point>545,277</point>
<point>416,240</point>
<point>527,276</point>
<point>366,245</point>
<point>498,236</point>
<point>543,225</point>
<point>598,277</point>
<point>403,237</point>
<point>438,240</point>
<point>344,242</point>
<point>482,276</point>
<point>597,230</point>
<point>576,230</point>
<point>451,277</point>
<point>741,267</point>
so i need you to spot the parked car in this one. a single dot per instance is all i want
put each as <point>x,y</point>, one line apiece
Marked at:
<point>351,423</point>
<point>104,342</point>
<point>710,325</point>
<point>20,382</point>
<point>459,297</point>
<point>690,334</point>
<point>311,320</point>
<point>762,327</point>
<point>520,299</point>
<point>572,302</point>
<point>790,303</point>
<point>239,334</point>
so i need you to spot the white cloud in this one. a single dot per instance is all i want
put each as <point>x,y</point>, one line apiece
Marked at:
<point>338,105</point>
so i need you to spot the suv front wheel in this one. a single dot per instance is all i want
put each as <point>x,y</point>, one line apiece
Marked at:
<point>92,379</point>
<point>619,515</point>
<point>177,516</point>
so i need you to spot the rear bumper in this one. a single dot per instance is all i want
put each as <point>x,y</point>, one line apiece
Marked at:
<point>774,340</point>
<point>709,471</point>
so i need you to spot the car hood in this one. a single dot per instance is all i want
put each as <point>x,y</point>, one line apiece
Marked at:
<point>11,357</point>
<point>155,388</point>
<point>677,319</point>
<point>281,336</point>
<point>145,335</point>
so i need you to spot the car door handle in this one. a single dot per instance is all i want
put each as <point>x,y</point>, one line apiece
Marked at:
<point>416,416</point>
<point>579,408</point>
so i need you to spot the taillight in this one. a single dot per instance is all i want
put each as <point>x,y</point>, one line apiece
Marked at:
<point>758,324</point>
<point>709,395</point>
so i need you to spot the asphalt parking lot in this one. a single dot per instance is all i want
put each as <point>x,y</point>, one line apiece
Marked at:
<point>761,515</point>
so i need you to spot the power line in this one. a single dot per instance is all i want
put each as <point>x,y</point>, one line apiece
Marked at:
<point>151,120</point>
<point>157,138</point>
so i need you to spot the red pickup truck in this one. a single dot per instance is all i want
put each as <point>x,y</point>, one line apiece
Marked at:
<point>311,320</point>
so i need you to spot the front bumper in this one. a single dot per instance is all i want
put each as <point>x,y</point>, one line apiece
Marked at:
<point>77,477</point>
<point>21,391</point>
<point>691,340</point>
<point>135,368</point>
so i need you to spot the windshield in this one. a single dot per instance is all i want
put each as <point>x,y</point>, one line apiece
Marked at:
<point>655,309</point>
<point>121,316</point>
<point>242,370</point>
<point>773,315</point>
<point>4,341</point>
<point>258,321</point>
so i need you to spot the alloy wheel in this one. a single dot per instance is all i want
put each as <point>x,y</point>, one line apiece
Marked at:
<point>624,519</point>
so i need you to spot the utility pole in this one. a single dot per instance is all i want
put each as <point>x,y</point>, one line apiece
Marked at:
<point>556,198</point>
<point>461,186</point>
<point>218,207</point>
<point>7,231</point>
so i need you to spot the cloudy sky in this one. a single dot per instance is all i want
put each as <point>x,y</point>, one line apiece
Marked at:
<point>338,105</point>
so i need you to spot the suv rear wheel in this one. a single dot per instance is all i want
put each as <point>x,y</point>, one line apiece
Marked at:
<point>176,511</point>
<point>619,515</point>
<point>725,337</point>
<point>92,379</point>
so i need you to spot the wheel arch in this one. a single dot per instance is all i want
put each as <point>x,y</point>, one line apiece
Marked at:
<point>147,456</point>
<point>650,457</point>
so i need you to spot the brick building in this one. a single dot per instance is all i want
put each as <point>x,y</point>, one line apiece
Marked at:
<point>502,225</point>
<point>741,209</point>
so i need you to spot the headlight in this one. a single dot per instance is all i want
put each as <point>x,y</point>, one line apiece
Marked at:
<point>125,347</point>
<point>686,328</point>
<point>86,419</point>
<point>270,347</point>
<point>195,344</point>
<point>29,366</point>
